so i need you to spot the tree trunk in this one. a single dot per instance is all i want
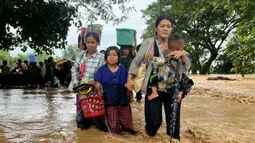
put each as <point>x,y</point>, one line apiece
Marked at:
<point>206,68</point>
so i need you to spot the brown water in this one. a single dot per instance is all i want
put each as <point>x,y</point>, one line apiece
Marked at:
<point>41,116</point>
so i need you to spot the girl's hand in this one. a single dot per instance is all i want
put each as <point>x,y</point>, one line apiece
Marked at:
<point>97,85</point>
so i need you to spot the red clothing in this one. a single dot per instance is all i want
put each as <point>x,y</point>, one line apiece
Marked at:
<point>117,117</point>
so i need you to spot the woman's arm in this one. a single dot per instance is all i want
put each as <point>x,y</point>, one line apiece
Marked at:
<point>139,58</point>
<point>75,68</point>
<point>135,44</point>
<point>75,72</point>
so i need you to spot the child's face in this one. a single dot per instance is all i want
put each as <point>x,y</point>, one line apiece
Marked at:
<point>126,51</point>
<point>177,45</point>
<point>112,58</point>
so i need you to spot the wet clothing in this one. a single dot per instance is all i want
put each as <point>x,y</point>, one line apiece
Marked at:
<point>117,108</point>
<point>153,113</point>
<point>153,108</point>
<point>113,83</point>
<point>119,118</point>
<point>92,64</point>
<point>43,71</point>
<point>126,61</point>
<point>49,73</point>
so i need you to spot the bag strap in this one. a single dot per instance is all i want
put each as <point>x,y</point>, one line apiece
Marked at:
<point>145,57</point>
<point>84,52</point>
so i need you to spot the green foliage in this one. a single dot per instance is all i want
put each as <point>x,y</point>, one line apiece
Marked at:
<point>71,52</point>
<point>4,55</point>
<point>43,25</point>
<point>94,9</point>
<point>241,50</point>
<point>204,26</point>
<point>39,24</point>
<point>223,65</point>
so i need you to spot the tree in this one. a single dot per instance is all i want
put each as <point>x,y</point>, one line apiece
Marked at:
<point>223,65</point>
<point>94,9</point>
<point>240,48</point>
<point>43,25</point>
<point>4,55</point>
<point>71,52</point>
<point>204,26</point>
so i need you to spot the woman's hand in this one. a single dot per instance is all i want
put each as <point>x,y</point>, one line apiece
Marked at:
<point>150,55</point>
<point>129,85</point>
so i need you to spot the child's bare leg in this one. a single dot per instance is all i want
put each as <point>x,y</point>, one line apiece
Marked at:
<point>179,97</point>
<point>154,93</point>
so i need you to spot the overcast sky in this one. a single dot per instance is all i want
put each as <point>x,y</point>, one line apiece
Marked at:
<point>134,21</point>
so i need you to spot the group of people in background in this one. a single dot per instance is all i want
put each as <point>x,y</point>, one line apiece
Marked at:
<point>114,71</point>
<point>31,73</point>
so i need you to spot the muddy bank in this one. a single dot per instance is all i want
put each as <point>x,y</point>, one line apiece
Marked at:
<point>236,97</point>
<point>241,90</point>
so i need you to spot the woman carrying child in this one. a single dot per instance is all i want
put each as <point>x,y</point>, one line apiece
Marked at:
<point>160,91</point>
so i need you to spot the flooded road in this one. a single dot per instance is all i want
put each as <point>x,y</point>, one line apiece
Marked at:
<point>36,115</point>
<point>41,116</point>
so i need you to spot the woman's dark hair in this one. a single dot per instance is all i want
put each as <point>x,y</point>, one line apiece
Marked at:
<point>163,17</point>
<point>94,35</point>
<point>116,49</point>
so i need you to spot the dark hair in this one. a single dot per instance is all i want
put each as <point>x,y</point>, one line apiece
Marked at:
<point>41,63</point>
<point>160,18</point>
<point>4,62</point>
<point>138,47</point>
<point>108,50</point>
<point>102,51</point>
<point>175,38</point>
<point>26,62</point>
<point>19,61</point>
<point>50,59</point>
<point>94,35</point>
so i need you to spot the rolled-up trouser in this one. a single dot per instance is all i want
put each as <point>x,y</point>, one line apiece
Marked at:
<point>153,113</point>
<point>84,123</point>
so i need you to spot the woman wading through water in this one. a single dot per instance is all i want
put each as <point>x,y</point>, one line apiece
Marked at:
<point>153,107</point>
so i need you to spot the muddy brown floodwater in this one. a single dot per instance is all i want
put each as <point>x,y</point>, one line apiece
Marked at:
<point>215,112</point>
